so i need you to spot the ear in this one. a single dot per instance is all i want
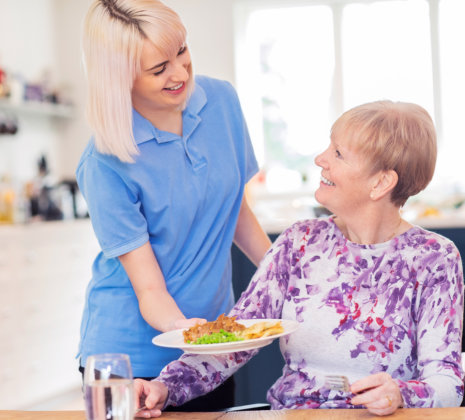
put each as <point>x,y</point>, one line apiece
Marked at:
<point>384,182</point>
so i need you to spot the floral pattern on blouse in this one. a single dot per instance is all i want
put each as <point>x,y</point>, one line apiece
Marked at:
<point>393,307</point>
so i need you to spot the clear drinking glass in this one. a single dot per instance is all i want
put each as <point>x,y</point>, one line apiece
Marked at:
<point>108,387</point>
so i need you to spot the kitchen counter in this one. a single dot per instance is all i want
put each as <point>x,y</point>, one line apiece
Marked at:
<point>280,223</point>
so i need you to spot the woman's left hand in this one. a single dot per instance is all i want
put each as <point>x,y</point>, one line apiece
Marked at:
<point>379,393</point>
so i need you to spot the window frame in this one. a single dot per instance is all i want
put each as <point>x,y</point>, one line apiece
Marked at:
<point>243,9</point>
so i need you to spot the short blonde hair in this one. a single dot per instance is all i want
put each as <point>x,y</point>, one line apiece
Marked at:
<point>113,37</point>
<point>395,136</point>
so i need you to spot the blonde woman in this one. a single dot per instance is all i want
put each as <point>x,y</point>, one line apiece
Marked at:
<point>378,299</point>
<point>163,177</point>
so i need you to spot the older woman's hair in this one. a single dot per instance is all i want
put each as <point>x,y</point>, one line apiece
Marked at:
<point>395,136</point>
<point>113,37</point>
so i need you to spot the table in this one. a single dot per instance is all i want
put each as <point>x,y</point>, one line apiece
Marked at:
<point>455,413</point>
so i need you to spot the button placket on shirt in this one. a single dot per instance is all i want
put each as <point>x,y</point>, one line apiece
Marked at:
<point>190,123</point>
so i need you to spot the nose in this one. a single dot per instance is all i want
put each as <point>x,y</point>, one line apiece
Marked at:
<point>320,159</point>
<point>181,71</point>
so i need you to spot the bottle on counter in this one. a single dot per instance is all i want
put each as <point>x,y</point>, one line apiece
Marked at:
<point>7,200</point>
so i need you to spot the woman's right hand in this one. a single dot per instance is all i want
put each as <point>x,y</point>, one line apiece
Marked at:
<point>152,394</point>
<point>187,323</point>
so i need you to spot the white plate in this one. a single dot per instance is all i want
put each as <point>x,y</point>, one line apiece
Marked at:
<point>175,339</point>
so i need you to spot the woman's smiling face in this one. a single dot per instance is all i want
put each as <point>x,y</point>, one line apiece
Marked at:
<point>164,82</point>
<point>346,179</point>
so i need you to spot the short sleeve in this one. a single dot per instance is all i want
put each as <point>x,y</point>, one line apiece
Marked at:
<point>114,207</point>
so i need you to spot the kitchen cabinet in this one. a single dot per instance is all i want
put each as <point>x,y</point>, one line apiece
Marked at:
<point>44,271</point>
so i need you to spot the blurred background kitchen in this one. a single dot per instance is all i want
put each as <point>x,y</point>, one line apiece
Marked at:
<point>297,64</point>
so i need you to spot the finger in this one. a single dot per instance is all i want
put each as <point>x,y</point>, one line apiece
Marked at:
<point>382,394</point>
<point>146,414</point>
<point>368,382</point>
<point>195,321</point>
<point>152,401</point>
<point>381,412</point>
<point>381,400</point>
<point>187,323</point>
<point>139,393</point>
<point>367,397</point>
<point>382,407</point>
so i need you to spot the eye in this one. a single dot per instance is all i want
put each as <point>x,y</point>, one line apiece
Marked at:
<point>182,50</point>
<point>160,71</point>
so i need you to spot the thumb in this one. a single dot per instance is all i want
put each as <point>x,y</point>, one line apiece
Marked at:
<point>187,323</point>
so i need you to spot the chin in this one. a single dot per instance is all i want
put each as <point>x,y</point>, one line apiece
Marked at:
<point>323,203</point>
<point>318,197</point>
<point>181,107</point>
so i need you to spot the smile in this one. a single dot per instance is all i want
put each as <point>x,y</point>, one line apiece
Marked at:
<point>327,181</point>
<point>177,87</point>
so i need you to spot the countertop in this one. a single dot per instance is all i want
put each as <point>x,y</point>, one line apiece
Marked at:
<point>455,413</point>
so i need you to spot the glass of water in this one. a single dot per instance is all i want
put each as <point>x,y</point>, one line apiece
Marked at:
<point>108,387</point>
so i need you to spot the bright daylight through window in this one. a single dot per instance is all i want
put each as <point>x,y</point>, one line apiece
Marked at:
<point>302,63</point>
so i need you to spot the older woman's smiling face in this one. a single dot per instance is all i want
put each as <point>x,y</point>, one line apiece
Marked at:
<point>346,181</point>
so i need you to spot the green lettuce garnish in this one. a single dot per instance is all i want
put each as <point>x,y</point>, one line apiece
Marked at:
<point>219,337</point>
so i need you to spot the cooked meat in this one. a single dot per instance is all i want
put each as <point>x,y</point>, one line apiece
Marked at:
<point>223,322</point>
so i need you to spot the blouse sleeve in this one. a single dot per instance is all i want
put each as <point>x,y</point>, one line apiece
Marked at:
<point>439,334</point>
<point>114,207</point>
<point>193,375</point>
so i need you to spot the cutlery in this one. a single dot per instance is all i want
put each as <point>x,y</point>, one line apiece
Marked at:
<point>337,383</point>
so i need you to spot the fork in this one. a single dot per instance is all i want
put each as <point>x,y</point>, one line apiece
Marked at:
<point>337,383</point>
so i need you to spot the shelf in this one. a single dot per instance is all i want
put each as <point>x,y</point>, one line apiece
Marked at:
<point>38,108</point>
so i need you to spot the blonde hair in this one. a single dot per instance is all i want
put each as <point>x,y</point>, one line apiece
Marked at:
<point>113,37</point>
<point>395,136</point>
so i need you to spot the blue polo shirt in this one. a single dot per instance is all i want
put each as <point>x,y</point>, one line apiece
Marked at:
<point>183,194</point>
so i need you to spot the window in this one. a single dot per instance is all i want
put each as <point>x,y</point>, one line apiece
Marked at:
<point>301,63</point>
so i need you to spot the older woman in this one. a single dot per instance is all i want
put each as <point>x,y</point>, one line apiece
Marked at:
<point>378,299</point>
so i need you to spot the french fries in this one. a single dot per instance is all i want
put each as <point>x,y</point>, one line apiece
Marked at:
<point>262,329</point>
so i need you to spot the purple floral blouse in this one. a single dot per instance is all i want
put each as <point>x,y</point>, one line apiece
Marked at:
<point>393,307</point>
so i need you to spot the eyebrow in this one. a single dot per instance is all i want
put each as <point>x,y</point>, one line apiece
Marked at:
<point>157,65</point>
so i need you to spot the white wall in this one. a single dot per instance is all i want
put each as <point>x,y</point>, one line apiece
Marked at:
<point>45,34</point>
<point>26,46</point>
<point>210,35</point>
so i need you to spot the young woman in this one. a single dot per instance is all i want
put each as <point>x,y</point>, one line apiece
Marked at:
<point>378,300</point>
<point>163,177</point>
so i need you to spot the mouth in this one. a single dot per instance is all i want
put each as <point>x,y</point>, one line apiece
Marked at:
<point>327,181</point>
<point>177,88</point>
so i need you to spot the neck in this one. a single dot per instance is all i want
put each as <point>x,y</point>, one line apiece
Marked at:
<point>372,229</point>
<point>165,120</point>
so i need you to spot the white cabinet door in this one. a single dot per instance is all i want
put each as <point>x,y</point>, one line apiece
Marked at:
<point>44,271</point>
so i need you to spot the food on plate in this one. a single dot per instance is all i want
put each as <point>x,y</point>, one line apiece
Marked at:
<point>226,329</point>
<point>218,337</point>
<point>262,329</point>
<point>225,323</point>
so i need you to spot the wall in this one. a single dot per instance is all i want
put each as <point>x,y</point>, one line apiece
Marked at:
<point>26,45</point>
<point>210,35</point>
